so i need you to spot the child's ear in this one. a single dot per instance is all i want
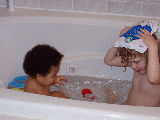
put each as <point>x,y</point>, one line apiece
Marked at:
<point>39,77</point>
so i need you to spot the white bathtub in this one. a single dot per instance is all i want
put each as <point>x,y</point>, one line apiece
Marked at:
<point>84,40</point>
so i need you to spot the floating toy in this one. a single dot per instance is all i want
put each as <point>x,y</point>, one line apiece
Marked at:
<point>134,31</point>
<point>18,82</point>
<point>18,89</point>
<point>87,94</point>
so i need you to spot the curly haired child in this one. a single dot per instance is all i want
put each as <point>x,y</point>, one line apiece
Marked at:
<point>42,64</point>
<point>145,90</point>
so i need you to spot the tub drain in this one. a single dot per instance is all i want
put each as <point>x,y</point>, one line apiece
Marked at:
<point>71,70</point>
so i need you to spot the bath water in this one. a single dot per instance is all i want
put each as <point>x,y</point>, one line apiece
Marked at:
<point>93,89</point>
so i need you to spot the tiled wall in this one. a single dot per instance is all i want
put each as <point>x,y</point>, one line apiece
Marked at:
<point>149,8</point>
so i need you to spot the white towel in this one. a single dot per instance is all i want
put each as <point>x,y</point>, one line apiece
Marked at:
<point>129,40</point>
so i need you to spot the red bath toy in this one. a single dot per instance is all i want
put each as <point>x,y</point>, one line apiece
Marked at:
<point>87,93</point>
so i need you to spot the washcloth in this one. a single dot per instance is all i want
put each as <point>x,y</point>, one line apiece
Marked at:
<point>129,40</point>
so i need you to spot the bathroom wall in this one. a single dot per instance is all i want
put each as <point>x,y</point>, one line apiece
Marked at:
<point>149,8</point>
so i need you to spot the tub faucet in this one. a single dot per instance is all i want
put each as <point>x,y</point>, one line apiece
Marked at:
<point>10,5</point>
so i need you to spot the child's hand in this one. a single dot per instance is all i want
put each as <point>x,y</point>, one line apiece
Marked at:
<point>146,36</point>
<point>124,30</point>
<point>111,97</point>
<point>58,80</point>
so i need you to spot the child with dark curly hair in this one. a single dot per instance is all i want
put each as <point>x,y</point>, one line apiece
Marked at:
<point>145,90</point>
<point>42,64</point>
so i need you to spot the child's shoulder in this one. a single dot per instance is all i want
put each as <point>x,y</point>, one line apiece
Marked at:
<point>31,83</point>
<point>30,86</point>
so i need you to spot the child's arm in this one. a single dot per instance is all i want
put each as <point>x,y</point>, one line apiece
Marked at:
<point>153,68</point>
<point>110,58</point>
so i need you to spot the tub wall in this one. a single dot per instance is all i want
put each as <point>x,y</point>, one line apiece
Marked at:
<point>83,41</point>
<point>84,46</point>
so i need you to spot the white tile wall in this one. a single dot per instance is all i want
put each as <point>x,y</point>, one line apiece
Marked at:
<point>98,6</point>
<point>3,3</point>
<point>148,8</point>
<point>151,1</point>
<point>56,4</point>
<point>127,8</point>
<point>151,9</point>
<point>27,3</point>
<point>126,0</point>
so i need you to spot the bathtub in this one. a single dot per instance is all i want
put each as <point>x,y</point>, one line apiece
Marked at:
<point>84,40</point>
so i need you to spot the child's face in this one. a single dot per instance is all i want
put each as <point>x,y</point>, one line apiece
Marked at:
<point>50,77</point>
<point>139,65</point>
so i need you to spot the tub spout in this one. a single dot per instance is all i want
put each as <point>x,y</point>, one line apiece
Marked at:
<point>10,5</point>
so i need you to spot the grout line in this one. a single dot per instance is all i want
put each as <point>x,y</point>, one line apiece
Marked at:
<point>72,6</point>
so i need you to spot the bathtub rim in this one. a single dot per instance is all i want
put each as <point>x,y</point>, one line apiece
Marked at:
<point>30,15</point>
<point>72,20</point>
<point>51,104</point>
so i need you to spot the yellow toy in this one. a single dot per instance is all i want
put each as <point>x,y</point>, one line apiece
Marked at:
<point>18,89</point>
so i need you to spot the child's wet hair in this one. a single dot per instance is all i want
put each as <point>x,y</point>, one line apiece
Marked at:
<point>127,54</point>
<point>40,59</point>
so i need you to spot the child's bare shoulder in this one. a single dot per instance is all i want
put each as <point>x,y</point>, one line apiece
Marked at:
<point>30,86</point>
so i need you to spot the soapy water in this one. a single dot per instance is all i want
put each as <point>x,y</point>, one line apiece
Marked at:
<point>93,89</point>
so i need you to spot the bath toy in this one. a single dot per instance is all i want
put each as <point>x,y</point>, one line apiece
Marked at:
<point>18,89</point>
<point>130,34</point>
<point>18,82</point>
<point>131,41</point>
<point>87,94</point>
